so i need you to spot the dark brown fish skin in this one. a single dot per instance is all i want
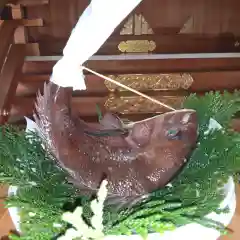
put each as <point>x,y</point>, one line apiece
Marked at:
<point>145,159</point>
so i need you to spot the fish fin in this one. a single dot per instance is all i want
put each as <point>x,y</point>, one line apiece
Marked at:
<point>47,106</point>
<point>99,113</point>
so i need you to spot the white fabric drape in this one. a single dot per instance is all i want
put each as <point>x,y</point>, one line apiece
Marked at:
<point>95,25</point>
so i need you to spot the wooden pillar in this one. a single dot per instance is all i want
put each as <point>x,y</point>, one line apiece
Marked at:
<point>20,35</point>
<point>9,79</point>
<point>6,38</point>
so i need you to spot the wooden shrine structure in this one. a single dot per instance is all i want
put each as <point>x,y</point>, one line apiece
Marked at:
<point>166,49</point>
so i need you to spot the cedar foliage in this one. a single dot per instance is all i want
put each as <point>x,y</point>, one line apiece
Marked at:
<point>198,189</point>
<point>42,185</point>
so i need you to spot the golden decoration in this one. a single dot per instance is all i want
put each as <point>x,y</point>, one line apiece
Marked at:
<point>136,25</point>
<point>143,82</point>
<point>128,27</point>
<point>137,104</point>
<point>137,46</point>
<point>188,26</point>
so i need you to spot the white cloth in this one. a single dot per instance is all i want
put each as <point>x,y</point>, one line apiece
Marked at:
<point>95,25</point>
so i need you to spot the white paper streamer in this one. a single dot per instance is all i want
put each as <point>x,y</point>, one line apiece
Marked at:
<point>95,25</point>
<point>213,125</point>
<point>31,126</point>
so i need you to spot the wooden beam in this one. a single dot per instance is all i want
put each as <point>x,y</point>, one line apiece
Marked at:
<point>31,79</point>
<point>85,106</point>
<point>32,2</point>
<point>32,49</point>
<point>28,89</point>
<point>20,35</point>
<point>24,106</point>
<point>7,31</point>
<point>145,66</point>
<point>179,43</point>
<point>165,65</point>
<point>6,38</point>
<point>202,81</point>
<point>9,79</point>
<point>38,22</point>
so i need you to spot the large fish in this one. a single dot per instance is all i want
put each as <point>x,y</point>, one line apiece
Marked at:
<point>136,158</point>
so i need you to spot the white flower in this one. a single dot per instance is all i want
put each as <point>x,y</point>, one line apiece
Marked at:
<point>32,214</point>
<point>57,225</point>
<point>81,229</point>
<point>33,183</point>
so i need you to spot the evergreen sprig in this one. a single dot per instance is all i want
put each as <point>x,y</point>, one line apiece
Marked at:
<point>43,188</point>
<point>221,107</point>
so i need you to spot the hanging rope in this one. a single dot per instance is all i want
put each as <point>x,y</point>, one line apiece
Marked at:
<point>129,88</point>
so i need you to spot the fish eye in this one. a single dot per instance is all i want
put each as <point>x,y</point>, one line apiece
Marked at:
<point>174,134</point>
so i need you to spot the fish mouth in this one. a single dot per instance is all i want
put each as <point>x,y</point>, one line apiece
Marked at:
<point>131,124</point>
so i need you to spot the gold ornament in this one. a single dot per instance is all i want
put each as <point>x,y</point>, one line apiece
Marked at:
<point>136,24</point>
<point>137,46</point>
<point>137,104</point>
<point>143,82</point>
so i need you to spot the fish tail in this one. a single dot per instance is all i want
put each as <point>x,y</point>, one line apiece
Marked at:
<point>55,100</point>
